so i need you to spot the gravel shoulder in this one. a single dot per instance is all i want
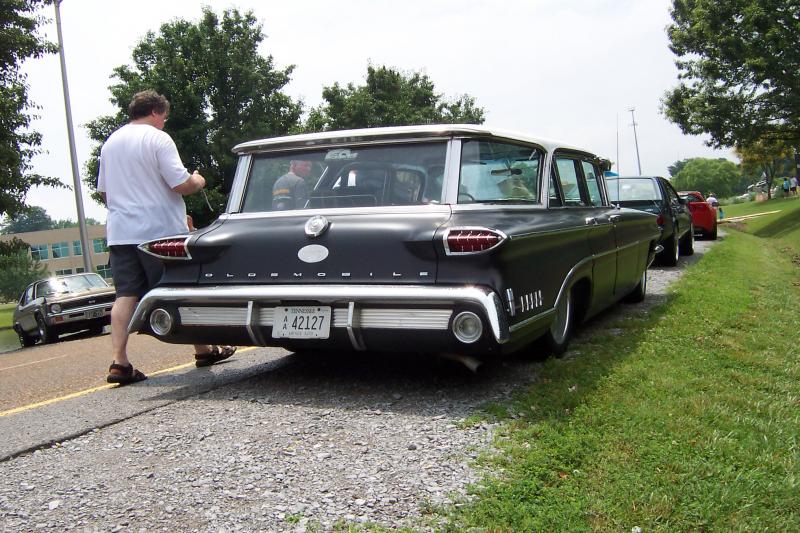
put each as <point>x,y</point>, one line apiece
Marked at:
<point>300,443</point>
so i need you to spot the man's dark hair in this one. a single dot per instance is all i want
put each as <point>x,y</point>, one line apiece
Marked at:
<point>145,102</point>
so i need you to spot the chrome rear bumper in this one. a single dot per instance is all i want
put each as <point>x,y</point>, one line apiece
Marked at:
<point>252,305</point>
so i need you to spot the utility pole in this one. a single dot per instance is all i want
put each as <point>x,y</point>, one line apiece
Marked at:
<point>76,177</point>
<point>636,140</point>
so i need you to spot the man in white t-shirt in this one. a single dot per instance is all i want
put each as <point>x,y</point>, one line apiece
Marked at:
<point>143,181</point>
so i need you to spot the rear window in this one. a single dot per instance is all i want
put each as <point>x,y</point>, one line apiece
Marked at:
<point>635,189</point>
<point>359,176</point>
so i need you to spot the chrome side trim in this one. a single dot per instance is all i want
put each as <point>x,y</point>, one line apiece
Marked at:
<point>401,295</point>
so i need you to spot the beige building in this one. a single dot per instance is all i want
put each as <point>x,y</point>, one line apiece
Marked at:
<point>60,249</point>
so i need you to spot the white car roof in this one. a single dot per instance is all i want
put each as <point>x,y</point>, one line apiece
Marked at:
<point>342,137</point>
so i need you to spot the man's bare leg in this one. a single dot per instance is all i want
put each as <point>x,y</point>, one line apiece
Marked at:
<point>121,314</point>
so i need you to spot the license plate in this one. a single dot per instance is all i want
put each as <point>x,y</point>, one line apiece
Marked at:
<point>312,322</point>
<point>94,313</point>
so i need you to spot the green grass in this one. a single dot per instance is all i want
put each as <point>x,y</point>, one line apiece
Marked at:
<point>688,420</point>
<point>784,225</point>
<point>6,314</point>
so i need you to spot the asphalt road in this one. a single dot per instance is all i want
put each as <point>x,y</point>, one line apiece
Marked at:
<point>76,363</point>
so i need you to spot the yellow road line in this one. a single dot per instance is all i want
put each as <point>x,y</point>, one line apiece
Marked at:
<point>101,387</point>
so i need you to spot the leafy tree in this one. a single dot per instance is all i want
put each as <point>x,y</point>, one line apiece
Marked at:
<point>770,159</point>
<point>221,91</point>
<point>739,62</point>
<point>676,167</point>
<point>69,223</point>
<point>390,98</point>
<point>18,41</point>
<point>31,219</point>
<point>702,174</point>
<point>17,269</point>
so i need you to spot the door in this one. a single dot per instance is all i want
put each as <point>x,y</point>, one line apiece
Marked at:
<point>581,191</point>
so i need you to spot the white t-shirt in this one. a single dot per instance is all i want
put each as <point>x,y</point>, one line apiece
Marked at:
<point>139,166</point>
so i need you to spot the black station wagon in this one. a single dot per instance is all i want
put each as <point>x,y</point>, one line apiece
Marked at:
<point>452,239</point>
<point>656,195</point>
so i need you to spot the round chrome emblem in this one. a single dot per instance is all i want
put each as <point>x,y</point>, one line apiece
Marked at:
<point>313,253</point>
<point>316,225</point>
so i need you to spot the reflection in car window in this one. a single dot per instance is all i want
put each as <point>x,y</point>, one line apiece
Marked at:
<point>630,189</point>
<point>590,173</point>
<point>69,284</point>
<point>498,172</point>
<point>400,174</point>
<point>568,177</point>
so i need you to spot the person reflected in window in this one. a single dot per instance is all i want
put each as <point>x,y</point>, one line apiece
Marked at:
<point>291,191</point>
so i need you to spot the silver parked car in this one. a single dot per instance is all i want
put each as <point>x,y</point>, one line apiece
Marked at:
<point>63,304</point>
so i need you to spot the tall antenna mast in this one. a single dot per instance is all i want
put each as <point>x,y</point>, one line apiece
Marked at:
<point>636,140</point>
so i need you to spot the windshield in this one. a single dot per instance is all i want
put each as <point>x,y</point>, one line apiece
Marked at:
<point>630,190</point>
<point>398,174</point>
<point>69,284</point>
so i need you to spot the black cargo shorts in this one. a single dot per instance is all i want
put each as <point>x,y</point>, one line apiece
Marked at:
<point>134,271</point>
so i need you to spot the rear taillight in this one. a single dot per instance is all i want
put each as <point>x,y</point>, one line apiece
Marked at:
<point>660,220</point>
<point>168,248</point>
<point>471,240</point>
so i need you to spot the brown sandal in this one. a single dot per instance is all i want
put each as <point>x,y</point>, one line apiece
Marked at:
<point>128,375</point>
<point>214,356</point>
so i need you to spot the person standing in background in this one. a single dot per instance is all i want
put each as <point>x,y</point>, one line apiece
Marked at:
<point>143,181</point>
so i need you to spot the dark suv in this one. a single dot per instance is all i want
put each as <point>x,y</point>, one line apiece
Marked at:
<point>656,195</point>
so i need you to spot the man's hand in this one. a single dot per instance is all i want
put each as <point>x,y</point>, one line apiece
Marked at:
<point>195,183</point>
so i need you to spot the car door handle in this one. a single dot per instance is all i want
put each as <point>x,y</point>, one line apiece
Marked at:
<point>591,221</point>
<point>615,218</point>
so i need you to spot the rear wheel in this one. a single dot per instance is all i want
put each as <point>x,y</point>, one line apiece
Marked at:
<point>687,242</point>
<point>669,255</point>
<point>557,338</point>
<point>639,292</point>
<point>24,339</point>
<point>713,234</point>
<point>46,333</point>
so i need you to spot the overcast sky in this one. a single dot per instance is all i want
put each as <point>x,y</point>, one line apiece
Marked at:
<point>563,69</point>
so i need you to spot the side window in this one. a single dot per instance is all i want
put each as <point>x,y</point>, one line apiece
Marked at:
<point>673,196</point>
<point>29,294</point>
<point>592,183</point>
<point>568,177</point>
<point>495,171</point>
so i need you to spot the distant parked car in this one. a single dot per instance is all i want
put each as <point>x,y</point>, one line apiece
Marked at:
<point>656,195</point>
<point>704,215</point>
<point>63,304</point>
<point>454,239</point>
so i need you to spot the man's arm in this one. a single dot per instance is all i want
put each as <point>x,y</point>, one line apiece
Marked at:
<point>195,183</point>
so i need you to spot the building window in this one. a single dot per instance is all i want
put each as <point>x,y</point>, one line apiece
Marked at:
<point>104,270</point>
<point>100,245</point>
<point>76,248</point>
<point>39,251</point>
<point>79,270</point>
<point>60,249</point>
<point>65,272</point>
